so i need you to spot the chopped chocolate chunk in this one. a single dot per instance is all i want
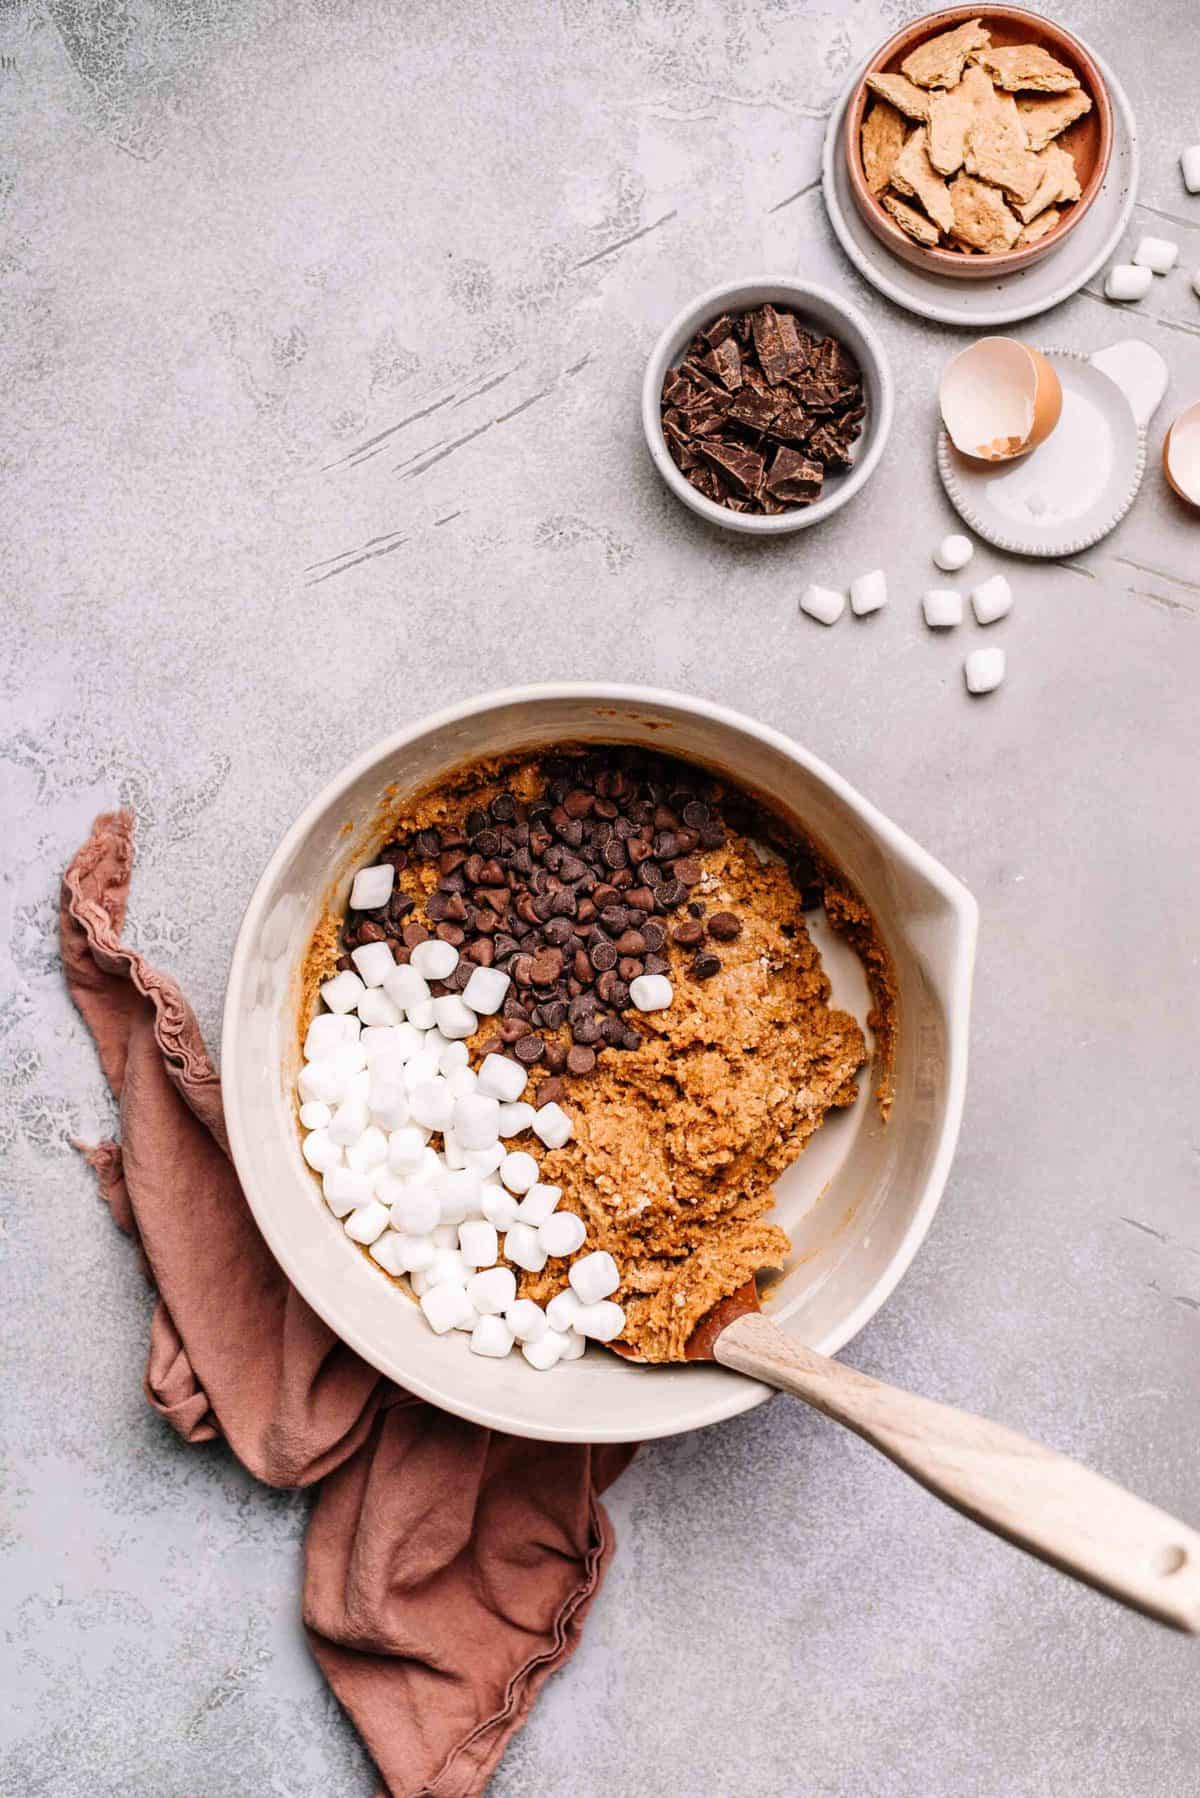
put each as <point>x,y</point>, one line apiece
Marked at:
<point>743,467</point>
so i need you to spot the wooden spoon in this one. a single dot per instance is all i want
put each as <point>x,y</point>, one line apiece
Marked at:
<point>1056,1509</point>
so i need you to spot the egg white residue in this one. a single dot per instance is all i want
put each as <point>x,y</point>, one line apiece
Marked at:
<point>1065,476</point>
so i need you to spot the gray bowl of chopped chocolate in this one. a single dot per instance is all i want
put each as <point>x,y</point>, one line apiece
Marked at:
<point>766,404</point>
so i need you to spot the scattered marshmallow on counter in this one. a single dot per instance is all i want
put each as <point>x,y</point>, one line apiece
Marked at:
<point>868,592</point>
<point>1156,253</point>
<point>991,600</point>
<point>984,670</point>
<point>942,608</point>
<point>1127,282</point>
<point>953,553</point>
<point>1189,162</point>
<point>823,604</point>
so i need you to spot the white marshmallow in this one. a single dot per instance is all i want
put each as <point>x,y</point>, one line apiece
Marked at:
<point>448,1268</point>
<point>486,990</point>
<point>386,1251</point>
<point>499,1207</point>
<point>992,600</point>
<point>526,1320</point>
<point>416,1253</point>
<point>502,1078</point>
<point>515,1119</point>
<point>551,1122</point>
<point>358,1089</point>
<point>388,1188</point>
<point>600,1322</point>
<point>459,1196</point>
<point>343,992</point>
<point>406,1148</point>
<point>651,992</point>
<point>538,1203</point>
<point>315,1115</point>
<point>369,1151</point>
<point>416,1211</point>
<point>471,1318</point>
<point>345,1188</point>
<point>320,1151</point>
<point>823,604</point>
<point>476,1121</point>
<point>594,1276</point>
<point>420,1068</point>
<point>518,1171</point>
<point>1126,282</point>
<point>453,1153</point>
<point>387,1100</point>
<point>406,988</point>
<point>445,1236</point>
<point>461,1081</point>
<point>372,887</point>
<point>491,1336</point>
<point>868,592</point>
<point>373,961</point>
<point>522,1247</point>
<point>1189,162</point>
<point>984,669</point>
<point>478,1243</point>
<point>546,1352</point>
<point>562,1234</point>
<point>420,1014</point>
<point>431,1104</point>
<point>397,1043</point>
<point>485,1161</point>
<point>493,1290</point>
<point>324,1081</point>
<point>452,1057</point>
<point>367,1222</point>
<point>453,1017</point>
<point>953,553</point>
<point>327,1032</point>
<point>432,1166</point>
<point>433,959</point>
<point>445,1306</point>
<point>574,1345</point>
<point>349,1121</point>
<point>943,608</point>
<point>563,1309</point>
<point>376,1009</point>
<point>420,1284</point>
<point>1156,253</point>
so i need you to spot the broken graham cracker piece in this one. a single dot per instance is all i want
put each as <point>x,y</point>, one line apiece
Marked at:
<point>1027,66</point>
<point>1045,115</point>
<point>981,218</point>
<point>915,175</point>
<point>914,224</point>
<point>901,93</point>
<point>950,115</point>
<point>940,61</point>
<point>1059,182</point>
<point>996,152</point>
<point>1039,227</point>
<point>883,134</point>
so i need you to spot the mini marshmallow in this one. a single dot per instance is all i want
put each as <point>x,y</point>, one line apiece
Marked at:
<point>551,1122</point>
<point>469,1320</point>
<point>453,1153</point>
<point>375,1008</point>
<point>420,1014</point>
<point>476,1121</point>
<point>1189,162</point>
<point>387,1101</point>
<point>574,1345</point>
<point>358,1089</point>
<point>942,608</point>
<point>433,959</point>
<point>420,1068</point>
<point>485,1161</point>
<point>953,553</point>
<point>526,1320</point>
<point>984,670</point>
<point>327,1032</point>
<point>538,1203</point>
<point>823,604</point>
<point>600,1322</point>
<point>499,1207</point>
<point>406,988</point>
<point>651,992</point>
<point>493,1290</point>
<point>406,1147</point>
<point>420,1284</point>
<point>459,1196</point>
<point>373,961</point>
<point>478,1243</point>
<point>453,1016</point>
<point>391,1042</point>
<point>388,1188</point>
<point>562,1234</point>
<point>868,592</point>
<point>345,1188</point>
<point>451,1056</point>
<point>1158,254</point>
<point>563,1309</point>
<point>448,1268</point>
<point>416,1253</point>
<point>1125,282</point>
<point>546,1352</point>
<point>491,1336</point>
<point>502,1078</point>
<point>349,1121</point>
<point>320,1151</point>
<point>431,1104</point>
<point>386,1251</point>
<point>367,1222</point>
<point>521,1246</point>
<point>322,1080</point>
<point>372,887</point>
<point>518,1171</point>
<point>445,1305</point>
<point>992,600</point>
<point>486,989</point>
<point>445,1236</point>
<point>594,1276</point>
<point>343,992</point>
<point>315,1115</point>
<point>417,1210</point>
<point>516,1119</point>
<point>369,1151</point>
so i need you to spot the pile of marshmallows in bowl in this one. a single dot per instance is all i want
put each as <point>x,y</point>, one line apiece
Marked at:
<point>386,1070</point>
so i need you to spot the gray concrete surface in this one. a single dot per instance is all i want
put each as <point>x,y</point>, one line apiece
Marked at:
<point>239,241</point>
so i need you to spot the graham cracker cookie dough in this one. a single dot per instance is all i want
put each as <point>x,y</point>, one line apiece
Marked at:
<point>940,62</point>
<point>883,135</point>
<point>1028,67</point>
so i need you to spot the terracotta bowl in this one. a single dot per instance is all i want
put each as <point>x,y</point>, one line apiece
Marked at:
<point>1089,139</point>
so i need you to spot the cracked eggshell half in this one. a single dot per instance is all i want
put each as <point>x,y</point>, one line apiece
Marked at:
<point>999,399</point>
<point>1181,455</point>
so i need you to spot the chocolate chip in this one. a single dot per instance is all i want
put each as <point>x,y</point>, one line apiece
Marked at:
<point>705,964</point>
<point>654,935</point>
<point>414,934</point>
<point>602,955</point>
<point>370,932</point>
<point>551,1091</point>
<point>655,964</point>
<point>580,1060</point>
<point>555,1058</point>
<point>688,871</point>
<point>587,1030</point>
<point>344,965</point>
<point>529,1049</point>
<point>669,894</point>
<point>554,1014</point>
<point>630,942</point>
<point>503,808</point>
<point>427,844</point>
<point>452,934</point>
<point>513,1029</point>
<point>723,926</point>
<point>486,842</point>
<point>629,967</point>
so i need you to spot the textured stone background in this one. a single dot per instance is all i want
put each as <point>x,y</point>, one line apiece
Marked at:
<point>239,241</point>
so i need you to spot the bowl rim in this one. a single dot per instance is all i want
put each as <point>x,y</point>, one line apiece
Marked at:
<point>325,1299</point>
<point>937,260</point>
<point>710,304</point>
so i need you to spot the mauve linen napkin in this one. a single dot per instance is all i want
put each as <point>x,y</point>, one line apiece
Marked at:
<point>448,1570</point>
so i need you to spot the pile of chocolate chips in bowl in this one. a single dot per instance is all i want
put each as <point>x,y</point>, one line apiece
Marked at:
<point>759,410</point>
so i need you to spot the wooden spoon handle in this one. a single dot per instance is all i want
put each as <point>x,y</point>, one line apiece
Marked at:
<point>1069,1516</point>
